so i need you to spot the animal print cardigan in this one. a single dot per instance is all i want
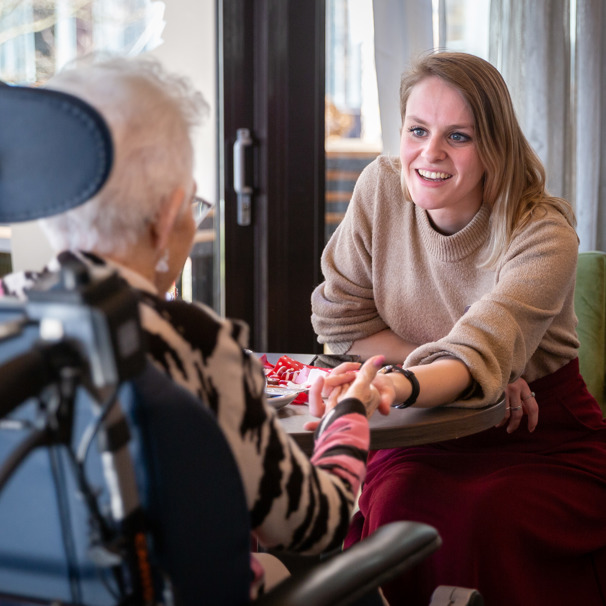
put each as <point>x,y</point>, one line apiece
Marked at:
<point>295,503</point>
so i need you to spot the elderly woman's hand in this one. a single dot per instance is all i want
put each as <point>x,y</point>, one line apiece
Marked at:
<point>519,400</point>
<point>349,380</point>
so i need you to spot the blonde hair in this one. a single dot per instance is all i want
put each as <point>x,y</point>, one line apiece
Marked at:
<point>514,180</point>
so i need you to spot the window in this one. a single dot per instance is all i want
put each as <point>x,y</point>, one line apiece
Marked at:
<point>38,37</point>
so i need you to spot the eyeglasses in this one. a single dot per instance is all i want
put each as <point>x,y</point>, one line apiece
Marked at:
<point>200,208</point>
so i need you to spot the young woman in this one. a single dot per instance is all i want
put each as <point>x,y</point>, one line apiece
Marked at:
<point>455,262</point>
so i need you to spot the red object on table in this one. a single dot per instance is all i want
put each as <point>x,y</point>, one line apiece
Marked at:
<point>288,371</point>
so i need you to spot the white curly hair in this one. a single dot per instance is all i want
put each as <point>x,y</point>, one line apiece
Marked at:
<point>151,114</point>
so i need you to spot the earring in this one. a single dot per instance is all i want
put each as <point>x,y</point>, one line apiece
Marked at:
<point>162,264</point>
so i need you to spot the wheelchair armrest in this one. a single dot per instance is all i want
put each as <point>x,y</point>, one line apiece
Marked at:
<point>344,578</point>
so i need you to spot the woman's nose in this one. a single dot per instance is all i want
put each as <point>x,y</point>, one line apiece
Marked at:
<point>434,149</point>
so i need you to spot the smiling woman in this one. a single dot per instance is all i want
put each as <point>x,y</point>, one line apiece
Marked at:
<point>440,162</point>
<point>454,262</point>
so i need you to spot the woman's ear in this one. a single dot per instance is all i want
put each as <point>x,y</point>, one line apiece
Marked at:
<point>166,218</point>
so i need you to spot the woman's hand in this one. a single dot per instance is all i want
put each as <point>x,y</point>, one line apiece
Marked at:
<point>519,400</point>
<point>343,374</point>
<point>349,380</point>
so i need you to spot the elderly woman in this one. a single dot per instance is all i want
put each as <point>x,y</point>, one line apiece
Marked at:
<point>456,263</point>
<point>141,224</point>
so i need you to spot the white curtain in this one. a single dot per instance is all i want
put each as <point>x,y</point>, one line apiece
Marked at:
<point>403,30</point>
<point>552,53</point>
<point>590,121</point>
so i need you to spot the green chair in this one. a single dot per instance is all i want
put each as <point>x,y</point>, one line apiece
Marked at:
<point>590,307</point>
<point>6,265</point>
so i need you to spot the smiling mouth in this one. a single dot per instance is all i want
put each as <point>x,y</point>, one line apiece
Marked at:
<point>428,175</point>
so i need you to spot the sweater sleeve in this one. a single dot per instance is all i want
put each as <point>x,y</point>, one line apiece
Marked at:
<point>525,321</point>
<point>343,306</point>
<point>342,441</point>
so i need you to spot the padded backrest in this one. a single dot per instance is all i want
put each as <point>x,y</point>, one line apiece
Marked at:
<point>44,135</point>
<point>194,496</point>
<point>590,308</point>
<point>188,483</point>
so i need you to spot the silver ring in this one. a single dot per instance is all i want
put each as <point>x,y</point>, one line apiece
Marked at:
<point>530,395</point>
<point>515,407</point>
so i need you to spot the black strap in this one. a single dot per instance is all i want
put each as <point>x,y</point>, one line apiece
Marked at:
<point>413,382</point>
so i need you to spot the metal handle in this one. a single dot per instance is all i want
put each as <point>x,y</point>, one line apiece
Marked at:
<point>243,174</point>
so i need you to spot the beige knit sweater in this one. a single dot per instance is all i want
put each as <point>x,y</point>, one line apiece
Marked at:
<point>386,267</point>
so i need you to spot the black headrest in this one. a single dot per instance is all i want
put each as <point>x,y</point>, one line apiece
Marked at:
<point>55,153</point>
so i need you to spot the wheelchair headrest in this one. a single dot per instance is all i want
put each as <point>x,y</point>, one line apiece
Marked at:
<point>55,153</point>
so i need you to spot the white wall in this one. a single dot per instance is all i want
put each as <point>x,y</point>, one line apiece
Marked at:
<point>188,48</point>
<point>29,247</point>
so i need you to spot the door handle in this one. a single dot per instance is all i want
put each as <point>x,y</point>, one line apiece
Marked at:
<point>243,174</point>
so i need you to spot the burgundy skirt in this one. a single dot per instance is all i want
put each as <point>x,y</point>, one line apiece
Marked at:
<point>522,516</point>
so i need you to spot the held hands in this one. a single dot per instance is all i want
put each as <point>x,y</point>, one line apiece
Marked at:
<point>519,400</point>
<point>350,380</point>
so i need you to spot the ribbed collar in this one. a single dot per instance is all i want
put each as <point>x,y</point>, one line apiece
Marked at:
<point>458,245</point>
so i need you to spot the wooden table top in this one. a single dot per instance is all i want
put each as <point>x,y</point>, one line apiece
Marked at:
<point>404,427</point>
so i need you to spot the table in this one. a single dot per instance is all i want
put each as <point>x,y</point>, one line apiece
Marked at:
<point>402,427</point>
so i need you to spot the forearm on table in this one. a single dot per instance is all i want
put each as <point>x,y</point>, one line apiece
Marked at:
<point>386,343</point>
<point>441,382</point>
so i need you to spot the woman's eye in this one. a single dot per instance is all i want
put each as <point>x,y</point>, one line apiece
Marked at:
<point>459,137</point>
<point>417,131</point>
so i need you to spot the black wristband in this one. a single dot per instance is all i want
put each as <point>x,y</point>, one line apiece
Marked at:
<point>413,382</point>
